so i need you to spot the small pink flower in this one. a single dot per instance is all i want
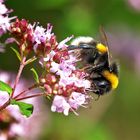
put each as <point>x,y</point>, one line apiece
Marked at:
<point>4,96</point>
<point>63,68</point>
<point>43,39</point>
<point>60,105</point>
<point>135,4</point>
<point>40,35</point>
<point>4,24</point>
<point>65,104</point>
<point>77,99</point>
<point>62,44</point>
<point>3,9</point>
<point>49,56</point>
<point>1,1</point>
<point>4,18</point>
<point>10,40</point>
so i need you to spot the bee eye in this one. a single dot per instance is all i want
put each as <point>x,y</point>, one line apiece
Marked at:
<point>72,47</point>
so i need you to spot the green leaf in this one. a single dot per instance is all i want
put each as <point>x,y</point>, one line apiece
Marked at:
<point>17,53</point>
<point>30,60</point>
<point>35,75</point>
<point>25,108</point>
<point>5,87</point>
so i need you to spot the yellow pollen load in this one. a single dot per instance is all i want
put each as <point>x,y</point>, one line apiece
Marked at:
<point>112,78</point>
<point>101,48</point>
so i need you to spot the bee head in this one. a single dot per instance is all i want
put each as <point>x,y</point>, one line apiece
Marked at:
<point>83,40</point>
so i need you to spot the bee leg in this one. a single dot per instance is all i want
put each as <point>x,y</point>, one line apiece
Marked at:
<point>89,67</point>
<point>98,67</point>
<point>96,91</point>
<point>98,96</point>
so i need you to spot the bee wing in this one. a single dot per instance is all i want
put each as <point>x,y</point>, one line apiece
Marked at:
<point>104,40</point>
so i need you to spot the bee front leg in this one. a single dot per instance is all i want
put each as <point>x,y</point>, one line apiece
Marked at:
<point>88,67</point>
<point>96,91</point>
<point>98,67</point>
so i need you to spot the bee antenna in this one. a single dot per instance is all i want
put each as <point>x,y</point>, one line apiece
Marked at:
<point>103,35</point>
<point>104,38</point>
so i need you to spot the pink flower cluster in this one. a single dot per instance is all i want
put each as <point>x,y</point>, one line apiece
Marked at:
<point>4,18</point>
<point>5,22</point>
<point>70,90</point>
<point>61,79</point>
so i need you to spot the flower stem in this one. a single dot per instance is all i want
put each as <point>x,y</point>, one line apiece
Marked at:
<point>31,96</point>
<point>22,64</point>
<point>27,90</point>
<point>4,105</point>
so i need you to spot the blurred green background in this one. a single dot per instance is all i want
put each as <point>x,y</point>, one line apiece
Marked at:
<point>114,116</point>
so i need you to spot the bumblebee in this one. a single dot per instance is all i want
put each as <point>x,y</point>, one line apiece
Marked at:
<point>103,74</point>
